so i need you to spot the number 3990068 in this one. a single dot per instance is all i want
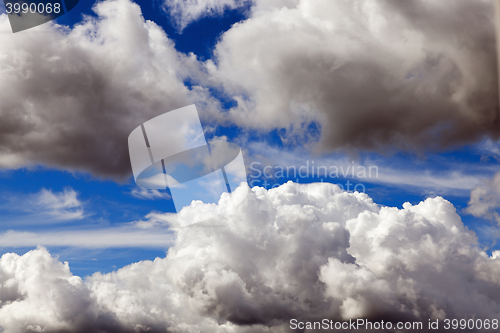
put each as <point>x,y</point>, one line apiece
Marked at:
<point>41,8</point>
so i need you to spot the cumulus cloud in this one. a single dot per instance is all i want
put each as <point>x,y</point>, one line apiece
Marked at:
<point>395,171</point>
<point>70,97</point>
<point>485,199</point>
<point>371,74</point>
<point>298,251</point>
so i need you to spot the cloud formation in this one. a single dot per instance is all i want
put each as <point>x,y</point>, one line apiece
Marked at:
<point>43,207</point>
<point>298,251</point>
<point>64,205</point>
<point>366,75</point>
<point>373,75</point>
<point>434,178</point>
<point>70,97</point>
<point>99,238</point>
<point>146,194</point>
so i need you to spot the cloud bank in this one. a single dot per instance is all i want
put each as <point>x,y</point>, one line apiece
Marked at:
<point>298,251</point>
<point>364,74</point>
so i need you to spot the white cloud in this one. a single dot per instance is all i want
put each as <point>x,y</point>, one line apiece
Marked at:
<point>183,12</point>
<point>490,148</point>
<point>81,238</point>
<point>156,220</point>
<point>44,207</point>
<point>38,292</point>
<point>62,206</point>
<point>485,199</point>
<point>298,251</point>
<point>458,179</point>
<point>143,193</point>
<point>426,179</point>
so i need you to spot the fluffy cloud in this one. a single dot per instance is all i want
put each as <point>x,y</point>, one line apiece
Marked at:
<point>70,97</point>
<point>63,206</point>
<point>298,251</point>
<point>401,74</point>
<point>39,292</point>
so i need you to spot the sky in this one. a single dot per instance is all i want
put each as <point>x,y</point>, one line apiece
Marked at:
<point>370,132</point>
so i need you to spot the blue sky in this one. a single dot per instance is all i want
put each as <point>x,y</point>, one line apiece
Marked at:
<point>108,205</point>
<point>370,136</point>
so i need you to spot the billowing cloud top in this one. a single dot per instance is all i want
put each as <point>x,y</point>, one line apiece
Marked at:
<point>298,251</point>
<point>368,74</point>
<point>374,74</point>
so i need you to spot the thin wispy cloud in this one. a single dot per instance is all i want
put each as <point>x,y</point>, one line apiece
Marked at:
<point>147,194</point>
<point>490,148</point>
<point>156,220</point>
<point>117,237</point>
<point>42,208</point>
<point>62,206</point>
<point>182,13</point>
<point>485,199</point>
<point>458,179</point>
